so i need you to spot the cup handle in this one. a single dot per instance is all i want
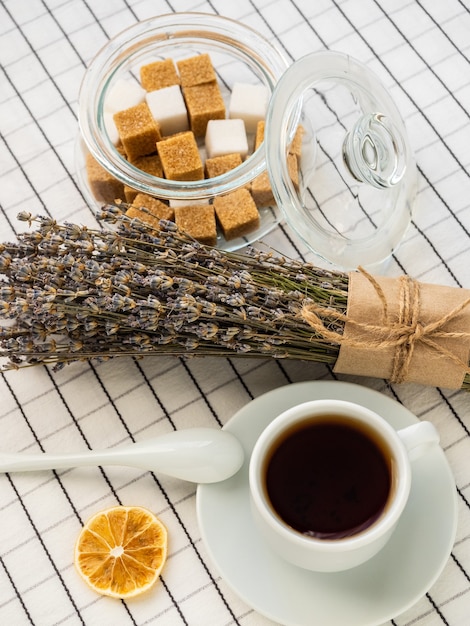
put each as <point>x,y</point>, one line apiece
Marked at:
<point>418,438</point>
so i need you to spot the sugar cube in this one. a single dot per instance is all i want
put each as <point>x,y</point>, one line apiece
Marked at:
<point>138,131</point>
<point>226,137</point>
<point>180,157</point>
<point>196,70</point>
<point>104,186</point>
<point>111,128</point>
<point>222,164</point>
<point>169,109</point>
<point>204,103</point>
<point>150,209</point>
<point>248,103</point>
<point>237,213</point>
<point>199,222</point>
<point>159,74</point>
<point>124,94</point>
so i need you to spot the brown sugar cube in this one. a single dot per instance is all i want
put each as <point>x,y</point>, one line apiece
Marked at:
<point>104,187</point>
<point>150,164</point>
<point>138,131</point>
<point>293,168</point>
<point>130,194</point>
<point>259,136</point>
<point>156,210</point>
<point>198,221</point>
<point>159,74</point>
<point>237,213</point>
<point>216,166</point>
<point>261,190</point>
<point>296,143</point>
<point>204,103</point>
<point>196,70</point>
<point>180,157</point>
<point>261,186</point>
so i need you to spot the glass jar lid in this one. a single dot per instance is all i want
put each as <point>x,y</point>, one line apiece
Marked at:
<point>348,192</point>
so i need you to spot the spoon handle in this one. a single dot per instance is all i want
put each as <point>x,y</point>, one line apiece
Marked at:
<point>23,462</point>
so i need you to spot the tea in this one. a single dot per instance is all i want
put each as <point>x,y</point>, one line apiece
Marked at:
<point>328,477</point>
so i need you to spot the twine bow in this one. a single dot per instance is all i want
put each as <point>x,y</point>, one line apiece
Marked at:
<point>402,334</point>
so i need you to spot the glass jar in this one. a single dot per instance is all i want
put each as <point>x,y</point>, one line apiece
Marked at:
<point>352,191</point>
<point>238,54</point>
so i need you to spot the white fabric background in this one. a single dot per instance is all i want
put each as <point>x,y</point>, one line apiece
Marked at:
<point>421,51</point>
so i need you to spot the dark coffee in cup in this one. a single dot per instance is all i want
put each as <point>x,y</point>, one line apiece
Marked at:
<point>329,477</point>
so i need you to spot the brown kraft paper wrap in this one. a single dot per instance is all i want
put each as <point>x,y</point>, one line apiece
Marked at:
<point>405,331</point>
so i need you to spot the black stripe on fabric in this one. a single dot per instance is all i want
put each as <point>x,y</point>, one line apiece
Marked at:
<point>17,593</point>
<point>46,551</point>
<point>38,58</point>
<point>21,169</point>
<point>443,32</point>
<point>64,33</point>
<point>153,392</point>
<point>459,565</point>
<point>454,412</point>
<point>436,609</point>
<point>240,379</point>
<point>200,391</point>
<point>45,137</point>
<point>421,58</point>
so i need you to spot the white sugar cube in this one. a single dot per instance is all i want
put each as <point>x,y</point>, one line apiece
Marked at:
<point>111,127</point>
<point>248,103</point>
<point>175,202</point>
<point>226,137</point>
<point>124,94</point>
<point>169,109</point>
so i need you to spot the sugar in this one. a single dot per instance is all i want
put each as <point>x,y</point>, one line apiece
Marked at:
<point>159,74</point>
<point>150,209</point>
<point>167,106</point>
<point>124,94</point>
<point>138,131</point>
<point>104,187</point>
<point>177,202</point>
<point>248,103</point>
<point>204,103</point>
<point>261,186</point>
<point>237,213</point>
<point>196,70</point>
<point>110,127</point>
<point>222,164</point>
<point>198,221</point>
<point>259,137</point>
<point>226,137</point>
<point>150,164</point>
<point>180,157</point>
<point>261,190</point>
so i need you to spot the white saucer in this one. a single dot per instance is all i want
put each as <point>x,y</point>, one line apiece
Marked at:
<point>368,595</point>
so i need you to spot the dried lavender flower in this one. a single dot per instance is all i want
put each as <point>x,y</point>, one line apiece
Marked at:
<point>123,289</point>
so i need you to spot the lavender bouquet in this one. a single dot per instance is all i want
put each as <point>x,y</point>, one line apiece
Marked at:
<point>70,293</point>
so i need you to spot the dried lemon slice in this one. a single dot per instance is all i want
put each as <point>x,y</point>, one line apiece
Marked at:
<point>121,551</point>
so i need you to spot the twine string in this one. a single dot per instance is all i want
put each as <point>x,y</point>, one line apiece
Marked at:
<point>402,334</point>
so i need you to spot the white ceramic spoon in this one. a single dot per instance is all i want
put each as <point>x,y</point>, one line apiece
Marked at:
<point>200,455</point>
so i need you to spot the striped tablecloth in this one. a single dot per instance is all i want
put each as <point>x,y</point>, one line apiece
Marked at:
<point>421,51</point>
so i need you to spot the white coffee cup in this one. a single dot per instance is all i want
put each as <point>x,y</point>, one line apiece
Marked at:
<point>333,550</point>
